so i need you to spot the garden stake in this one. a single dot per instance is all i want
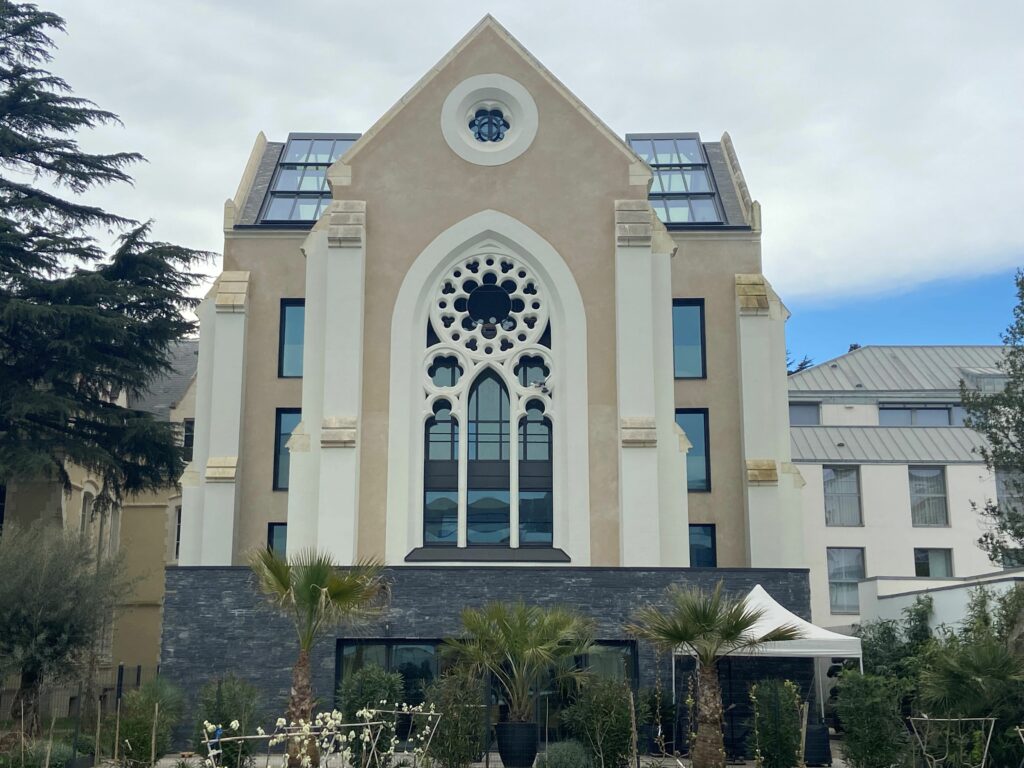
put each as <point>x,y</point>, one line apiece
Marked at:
<point>49,742</point>
<point>22,733</point>
<point>117,728</point>
<point>632,729</point>
<point>152,742</point>
<point>96,744</point>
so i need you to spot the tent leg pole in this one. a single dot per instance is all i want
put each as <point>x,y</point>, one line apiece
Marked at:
<point>821,686</point>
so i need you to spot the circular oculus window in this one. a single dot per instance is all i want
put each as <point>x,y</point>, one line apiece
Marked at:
<point>489,119</point>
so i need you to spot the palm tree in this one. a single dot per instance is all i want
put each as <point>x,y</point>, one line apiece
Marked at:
<point>709,626</point>
<point>317,595</point>
<point>521,645</point>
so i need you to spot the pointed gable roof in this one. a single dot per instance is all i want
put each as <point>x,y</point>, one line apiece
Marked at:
<point>489,23</point>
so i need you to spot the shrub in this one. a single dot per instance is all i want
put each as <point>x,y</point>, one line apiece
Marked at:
<point>564,754</point>
<point>869,709</point>
<point>137,710</point>
<point>600,719</point>
<point>777,726</point>
<point>221,701</point>
<point>35,754</point>
<point>458,737</point>
<point>366,688</point>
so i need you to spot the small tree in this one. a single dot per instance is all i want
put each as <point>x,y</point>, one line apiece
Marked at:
<point>521,645</point>
<point>222,701</point>
<point>54,601</point>
<point>601,720</point>
<point>777,723</point>
<point>137,719</point>
<point>869,709</point>
<point>317,596</point>
<point>999,417</point>
<point>458,736</point>
<point>710,626</point>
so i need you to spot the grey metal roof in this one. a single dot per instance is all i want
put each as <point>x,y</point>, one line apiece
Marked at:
<point>898,369</point>
<point>732,210</point>
<point>896,445</point>
<point>165,392</point>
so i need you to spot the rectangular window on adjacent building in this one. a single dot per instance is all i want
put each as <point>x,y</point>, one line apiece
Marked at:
<point>933,563</point>
<point>927,415</point>
<point>703,550</point>
<point>289,354</point>
<point>928,497</point>
<point>188,437</point>
<point>842,495</point>
<point>688,338</point>
<point>277,538</point>
<point>845,569</point>
<point>287,420</point>
<point>804,414</point>
<point>694,422</point>
<point>177,534</point>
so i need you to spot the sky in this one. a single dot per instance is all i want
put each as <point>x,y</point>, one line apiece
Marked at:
<point>882,139</point>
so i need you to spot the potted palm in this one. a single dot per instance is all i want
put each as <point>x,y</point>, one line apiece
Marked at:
<point>710,627</point>
<point>316,595</point>
<point>521,646</point>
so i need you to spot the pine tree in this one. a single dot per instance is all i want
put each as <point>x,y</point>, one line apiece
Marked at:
<point>999,417</point>
<point>79,329</point>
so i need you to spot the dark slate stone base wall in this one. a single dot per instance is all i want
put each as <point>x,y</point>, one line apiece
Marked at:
<point>216,622</point>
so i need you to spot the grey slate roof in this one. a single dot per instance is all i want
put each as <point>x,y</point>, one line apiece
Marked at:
<point>899,369</point>
<point>261,183</point>
<point>897,445</point>
<point>166,391</point>
<point>730,200</point>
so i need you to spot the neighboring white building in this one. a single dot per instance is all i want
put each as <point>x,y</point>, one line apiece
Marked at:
<point>891,471</point>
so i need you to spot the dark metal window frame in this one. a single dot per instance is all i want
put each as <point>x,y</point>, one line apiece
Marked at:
<point>285,304</point>
<point>928,562</point>
<point>177,533</point>
<point>389,644</point>
<point>269,197</point>
<point>278,413</point>
<point>188,438</point>
<point>715,197</point>
<point>707,446</point>
<point>699,303</point>
<point>714,543</point>
<point>270,534</point>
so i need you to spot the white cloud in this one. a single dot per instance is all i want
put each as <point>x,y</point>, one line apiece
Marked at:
<point>882,139</point>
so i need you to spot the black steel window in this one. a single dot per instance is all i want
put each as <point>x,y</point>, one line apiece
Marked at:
<point>177,533</point>
<point>920,415</point>
<point>418,661</point>
<point>441,478</point>
<point>287,419</point>
<point>488,500</point>
<point>688,354</point>
<point>683,190</point>
<point>928,508</point>
<point>536,497</point>
<point>290,339</point>
<point>188,437</point>
<point>694,422</point>
<point>845,570</point>
<point>298,192</point>
<point>277,538</point>
<point>703,547</point>
<point>842,495</point>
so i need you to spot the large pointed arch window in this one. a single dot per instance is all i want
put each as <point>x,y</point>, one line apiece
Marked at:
<point>487,377</point>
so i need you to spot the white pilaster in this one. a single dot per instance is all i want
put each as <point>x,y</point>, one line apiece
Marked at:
<point>774,524</point>
<point>635,345</point>
<point>191,549</point>
<point>227,397</point>
<point>344,276</point>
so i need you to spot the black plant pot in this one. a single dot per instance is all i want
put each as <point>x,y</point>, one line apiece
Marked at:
<point>517,744</point>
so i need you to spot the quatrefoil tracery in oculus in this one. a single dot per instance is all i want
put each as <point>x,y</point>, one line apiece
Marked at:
<point>489,305</point>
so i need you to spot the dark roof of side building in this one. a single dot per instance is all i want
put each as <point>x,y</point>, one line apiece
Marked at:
<point>165,391</point>
<point>904,369</point>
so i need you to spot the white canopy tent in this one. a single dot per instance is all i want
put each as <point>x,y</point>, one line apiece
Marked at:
<point>815,642</point>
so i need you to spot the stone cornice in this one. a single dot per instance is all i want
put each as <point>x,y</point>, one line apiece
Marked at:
<point>347,224</point>
<point>633,227</point>
<point>232,291</point>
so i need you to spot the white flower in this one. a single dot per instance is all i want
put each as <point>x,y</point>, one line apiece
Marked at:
<point>351,734</point>
<point>281,722</point>
<point>260,731</point>
<point>234,725</point>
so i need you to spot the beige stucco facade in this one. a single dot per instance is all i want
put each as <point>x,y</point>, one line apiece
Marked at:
<point>577,191</point>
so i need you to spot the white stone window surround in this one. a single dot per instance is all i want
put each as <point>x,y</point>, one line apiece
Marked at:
<point>411,402</point>
<point>489,91</point>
